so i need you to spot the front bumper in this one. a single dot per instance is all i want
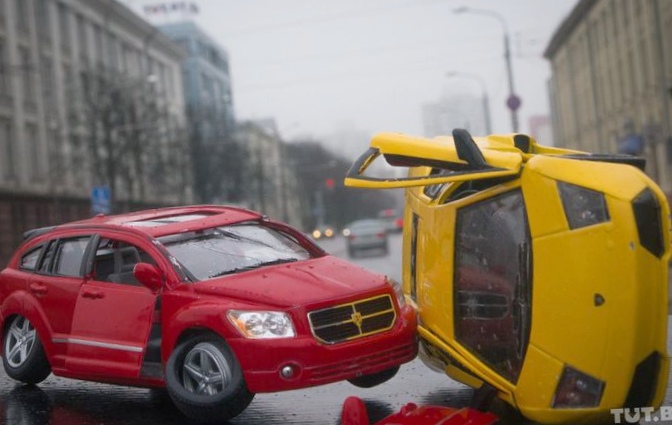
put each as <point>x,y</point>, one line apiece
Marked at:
<point>313,363</point>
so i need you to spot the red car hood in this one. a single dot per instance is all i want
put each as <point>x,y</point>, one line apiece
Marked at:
<point>301,283</point>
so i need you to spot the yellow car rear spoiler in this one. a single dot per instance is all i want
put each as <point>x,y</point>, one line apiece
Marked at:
<point>458,158</point>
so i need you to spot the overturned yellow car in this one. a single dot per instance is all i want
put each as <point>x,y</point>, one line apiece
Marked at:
<point>539,273</point>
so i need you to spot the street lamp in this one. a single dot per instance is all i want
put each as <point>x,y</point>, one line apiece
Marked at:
<point>513,101</point>
<point>486,102</point>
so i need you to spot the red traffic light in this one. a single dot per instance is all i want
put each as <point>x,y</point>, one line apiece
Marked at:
<point>329,183</point>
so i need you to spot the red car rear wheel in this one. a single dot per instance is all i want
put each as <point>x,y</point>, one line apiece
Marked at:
<point>22,354</point>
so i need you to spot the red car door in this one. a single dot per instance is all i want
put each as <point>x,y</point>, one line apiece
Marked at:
<point>55,284</point>
<point>113,315</point>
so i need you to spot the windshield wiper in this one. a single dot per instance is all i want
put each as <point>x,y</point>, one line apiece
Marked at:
<point>232,271</point>
<point>278,261</point>
<point>253,266</point>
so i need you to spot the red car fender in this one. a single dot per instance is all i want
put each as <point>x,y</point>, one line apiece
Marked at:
<point>354,413</point>
<point>207,316</point>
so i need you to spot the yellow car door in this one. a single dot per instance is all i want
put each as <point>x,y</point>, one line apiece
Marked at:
<point>460,156</point>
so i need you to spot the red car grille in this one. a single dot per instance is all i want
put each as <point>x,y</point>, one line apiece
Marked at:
<point>393,356</point>
<point>353,320</point>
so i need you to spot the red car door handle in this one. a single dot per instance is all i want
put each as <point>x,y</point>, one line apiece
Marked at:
<point>88,293</point>
<point>38,288</point>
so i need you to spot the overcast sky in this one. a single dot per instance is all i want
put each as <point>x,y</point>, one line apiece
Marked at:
<point>325,66</point>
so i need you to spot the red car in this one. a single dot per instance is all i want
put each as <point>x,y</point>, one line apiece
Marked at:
<point>213,303</point>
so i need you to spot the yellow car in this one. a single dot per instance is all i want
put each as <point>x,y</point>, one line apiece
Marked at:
<point>539,274</point>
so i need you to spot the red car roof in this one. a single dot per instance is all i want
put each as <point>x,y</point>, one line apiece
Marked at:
<point>167,221</point>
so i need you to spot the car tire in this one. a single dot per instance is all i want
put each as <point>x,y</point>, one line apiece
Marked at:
<point>206,401</point>
<point>22,353</point>
<point>374,379</point>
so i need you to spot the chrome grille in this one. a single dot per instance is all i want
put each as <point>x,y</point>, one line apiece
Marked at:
<point>353,320</point>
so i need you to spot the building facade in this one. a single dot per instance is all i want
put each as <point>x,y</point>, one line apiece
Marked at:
<point>64,64</point>
<point>206,75</point>
<point>209,103</point>
<point>611,64</point>
<point>271,180</point>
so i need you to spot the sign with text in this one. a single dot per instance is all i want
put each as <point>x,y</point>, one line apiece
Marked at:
<point>170,7</point>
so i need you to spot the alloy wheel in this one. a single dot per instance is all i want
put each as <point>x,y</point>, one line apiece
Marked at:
<point>205,370</point>
<point>19,341</point>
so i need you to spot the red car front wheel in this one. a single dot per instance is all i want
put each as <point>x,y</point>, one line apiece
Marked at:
<point>205,381</point>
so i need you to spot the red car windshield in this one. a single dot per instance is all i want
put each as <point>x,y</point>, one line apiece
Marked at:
<point>209,253</point>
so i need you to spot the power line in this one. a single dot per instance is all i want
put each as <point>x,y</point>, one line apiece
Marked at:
<point>374,74</point>
<point>328,18</point>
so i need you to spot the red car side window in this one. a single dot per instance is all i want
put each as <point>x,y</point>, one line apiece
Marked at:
<point>45,262</point>
<point>29,259</point>
<point>69,256</point>
<point>115,260</point>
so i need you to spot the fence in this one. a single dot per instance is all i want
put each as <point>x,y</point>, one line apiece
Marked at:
<point>20,212</point>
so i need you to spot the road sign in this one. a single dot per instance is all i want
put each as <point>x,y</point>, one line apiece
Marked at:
<point>513,102</point>
<point>101,201</point>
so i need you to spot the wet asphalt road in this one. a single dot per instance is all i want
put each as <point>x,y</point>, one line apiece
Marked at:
<point>58,401</point>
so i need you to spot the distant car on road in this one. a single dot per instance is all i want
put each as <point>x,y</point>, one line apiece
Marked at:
<point>393,219</point>
<point>213,303</point>
<point>324,231</point>
<point>540,274</point>
<point>367,234</point>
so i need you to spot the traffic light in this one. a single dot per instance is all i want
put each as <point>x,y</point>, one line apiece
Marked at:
<point>329,183</point>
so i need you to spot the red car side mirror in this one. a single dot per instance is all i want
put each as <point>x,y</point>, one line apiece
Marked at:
<point>149,275</point>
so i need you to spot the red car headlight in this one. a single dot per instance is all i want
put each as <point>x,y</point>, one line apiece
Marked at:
<point>398,291</point>
<point>262,324</point>
<point>577,390</point>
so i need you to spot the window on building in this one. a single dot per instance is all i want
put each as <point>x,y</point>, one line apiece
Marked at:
<point>68,79</point>
<point>82,38</point>
<point>35,164</point>
<point>21,15</point>
<point>47,75</point>
<point>5,87</point>
<point>184,43</point>
<point>43,22</point>
<point>8,152</point>
<point>113,52</point>
<point>131,58</point>
<point>151,67</point>
<point>123,49</point>
<point>169,83</point>
<point>27,70</point>
<point>64,26</point>
<point>206,87</point>
<point>644,65</point>
<point>99,44</point>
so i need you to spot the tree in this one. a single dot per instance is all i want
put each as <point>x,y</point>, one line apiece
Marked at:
<point>315,166</point>
<point>219,160</point>
<point>124,129</point>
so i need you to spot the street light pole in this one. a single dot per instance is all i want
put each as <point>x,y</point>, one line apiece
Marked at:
<point>513,101</point>
<point>486,101</point>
